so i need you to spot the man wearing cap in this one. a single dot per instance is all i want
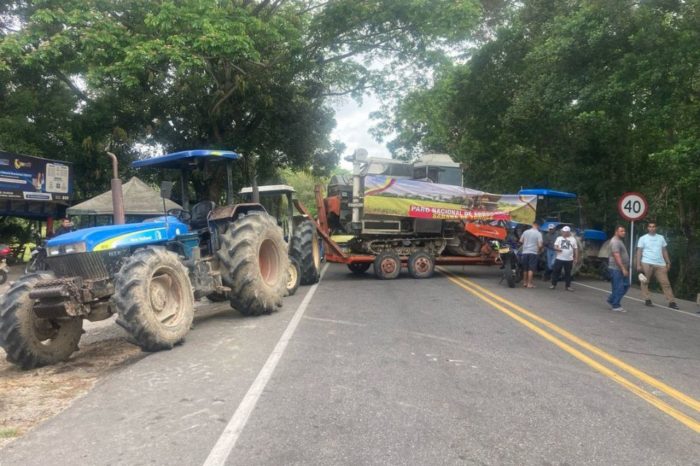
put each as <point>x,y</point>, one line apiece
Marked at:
<point>548,242</point>
<point>567,252</point>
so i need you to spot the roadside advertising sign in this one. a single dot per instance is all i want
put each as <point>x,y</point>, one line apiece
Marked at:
<point>23,177</point>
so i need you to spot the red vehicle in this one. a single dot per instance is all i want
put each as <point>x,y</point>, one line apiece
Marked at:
<point>393,222</point>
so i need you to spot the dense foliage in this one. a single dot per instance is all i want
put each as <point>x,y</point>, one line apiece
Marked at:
<point>77,76</point>
<point>594,97</point>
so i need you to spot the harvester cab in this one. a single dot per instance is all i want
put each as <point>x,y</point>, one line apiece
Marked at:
<point>148,273</point>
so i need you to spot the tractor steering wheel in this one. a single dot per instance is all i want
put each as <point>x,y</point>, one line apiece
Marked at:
<point>181,214</point>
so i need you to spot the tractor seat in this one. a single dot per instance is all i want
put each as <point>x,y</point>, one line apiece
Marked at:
<point>200,213</point>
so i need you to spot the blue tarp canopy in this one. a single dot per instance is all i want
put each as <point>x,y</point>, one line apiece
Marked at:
<point>547,193</point>
<point>185,158</point>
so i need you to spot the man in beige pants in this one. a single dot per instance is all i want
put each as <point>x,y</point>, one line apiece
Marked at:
<point>653,260</point>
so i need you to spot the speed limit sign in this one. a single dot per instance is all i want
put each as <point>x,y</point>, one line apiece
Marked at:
<point>632,206</point>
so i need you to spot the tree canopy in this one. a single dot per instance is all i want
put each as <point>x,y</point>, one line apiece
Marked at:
<point>77,76</point>
<point>594,97</point>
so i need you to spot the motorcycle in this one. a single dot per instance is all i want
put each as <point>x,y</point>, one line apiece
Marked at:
<point>5,252</point>
<point>37,260</point>
<point>510,260</point>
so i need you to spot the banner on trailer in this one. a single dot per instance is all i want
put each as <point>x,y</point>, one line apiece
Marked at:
<point>34,179</point>
<point>418,199</point>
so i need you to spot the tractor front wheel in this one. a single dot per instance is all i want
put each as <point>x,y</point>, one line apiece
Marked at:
<point>387,265</point>
<point>28,340</point>
<point>254,263</point>
<point>293,277</point>
<point>306,249</point>
<point>153,298</point>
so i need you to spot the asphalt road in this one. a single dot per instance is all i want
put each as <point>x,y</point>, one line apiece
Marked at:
<point>457,369</point>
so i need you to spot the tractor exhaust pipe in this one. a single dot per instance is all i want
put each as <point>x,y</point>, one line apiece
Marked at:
<point>358,159</point>
<point>117,194</point>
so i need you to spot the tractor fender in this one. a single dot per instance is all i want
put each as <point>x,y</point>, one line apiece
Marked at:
<point>231,212</point>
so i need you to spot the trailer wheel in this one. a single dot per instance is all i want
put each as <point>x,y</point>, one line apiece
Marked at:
<point>421,265</point>
<point>306,249</point>
<point>359,268</point>
<point>293,277</point>
<point>254,263</point>
<point>153,298</point>
<point>387,265</point>
<point>28,340</point>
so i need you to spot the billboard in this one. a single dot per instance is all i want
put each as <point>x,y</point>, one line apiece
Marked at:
<point>418,199</point>
<point>27,178</point>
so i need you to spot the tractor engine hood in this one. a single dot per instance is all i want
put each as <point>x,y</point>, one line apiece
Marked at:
<point>109,237</point>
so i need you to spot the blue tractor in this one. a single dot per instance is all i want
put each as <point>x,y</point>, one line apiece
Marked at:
<point>148,273</point>
<point>561,209</point>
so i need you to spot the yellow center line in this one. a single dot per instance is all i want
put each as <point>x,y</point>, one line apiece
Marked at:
<point>659,385</point>
<point>646,396</point>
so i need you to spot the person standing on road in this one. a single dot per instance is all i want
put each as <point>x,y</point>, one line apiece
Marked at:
<point>567,252</point>
<point>531,240</point>
<point>617,261</point>
<point>653,261</point>
<point>548,242</point>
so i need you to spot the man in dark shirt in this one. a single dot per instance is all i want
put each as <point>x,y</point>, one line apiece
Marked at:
<point>66,227</point>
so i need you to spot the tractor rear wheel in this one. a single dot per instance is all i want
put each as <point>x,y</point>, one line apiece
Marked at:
<point>306,249</point>
<point>254,263</point>
<point>387,265</point>
<point>293,277</point>
<point>421,265</point>
<point>358,268</point>
<point>153,298</point>
<point>28,340</point>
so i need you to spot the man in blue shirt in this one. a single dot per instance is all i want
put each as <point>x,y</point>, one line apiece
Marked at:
<point>653,261</point>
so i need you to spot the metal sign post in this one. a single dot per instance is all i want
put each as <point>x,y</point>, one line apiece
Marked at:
<point>632,207</point>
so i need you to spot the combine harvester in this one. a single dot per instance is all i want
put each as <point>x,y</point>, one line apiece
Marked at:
<point>394,214</point>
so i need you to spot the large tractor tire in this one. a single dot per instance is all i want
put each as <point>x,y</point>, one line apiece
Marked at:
<point>154,299</point>
<point>254,263</point>
<point>306,249</point>
<point>28,340</point>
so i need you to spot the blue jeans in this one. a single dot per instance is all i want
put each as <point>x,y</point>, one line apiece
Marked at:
<point>620,285</point>
<point>551,256</point>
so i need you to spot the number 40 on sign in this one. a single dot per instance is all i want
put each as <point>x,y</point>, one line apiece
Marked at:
<point>632,207</point>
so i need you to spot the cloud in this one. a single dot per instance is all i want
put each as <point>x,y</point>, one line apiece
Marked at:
<point>353,124</point>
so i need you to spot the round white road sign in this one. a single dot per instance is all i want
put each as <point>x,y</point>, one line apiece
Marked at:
<point>632,206</point>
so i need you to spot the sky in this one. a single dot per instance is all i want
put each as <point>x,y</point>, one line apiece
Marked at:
<point>353,124</point>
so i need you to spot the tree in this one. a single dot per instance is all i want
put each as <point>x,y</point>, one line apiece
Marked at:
<point>593,97</point>
<point>254,76</point>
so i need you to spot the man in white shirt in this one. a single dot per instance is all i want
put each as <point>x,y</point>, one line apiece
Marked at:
<point>653,261</point>
<point>567,252</point>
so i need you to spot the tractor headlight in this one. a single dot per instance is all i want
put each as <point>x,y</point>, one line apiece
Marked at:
<point>71,248</point>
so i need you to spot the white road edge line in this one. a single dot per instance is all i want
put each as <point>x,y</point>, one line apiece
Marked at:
<point>227,441</point>
<point>688,313</point>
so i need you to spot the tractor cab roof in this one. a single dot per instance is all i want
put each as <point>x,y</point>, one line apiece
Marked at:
<point>269,190</point>
<point>188,158</point>
<point>547,193</point>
